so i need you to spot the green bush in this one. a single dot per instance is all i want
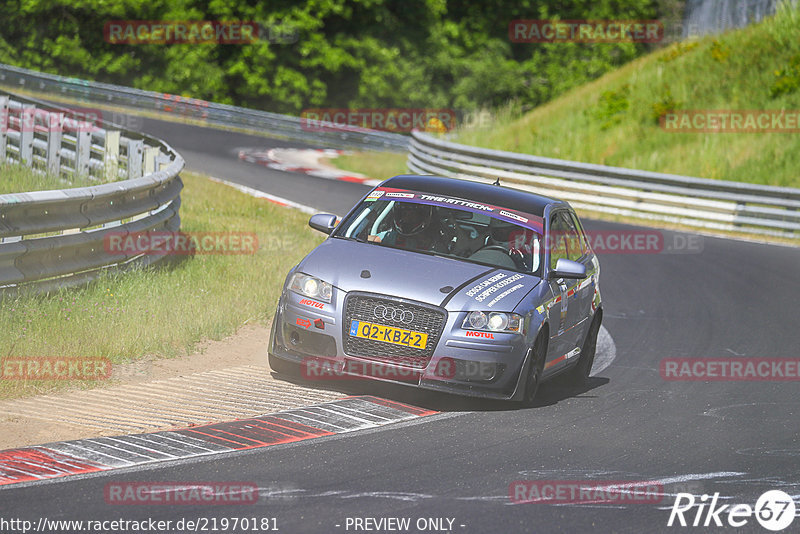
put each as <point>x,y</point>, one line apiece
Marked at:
<point>664,105</point>
<point>787,79</point>
<point>347,53</point>
<point>611,106</point>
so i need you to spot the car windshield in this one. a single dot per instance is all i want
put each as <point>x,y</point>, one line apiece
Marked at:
<point>444,231</point>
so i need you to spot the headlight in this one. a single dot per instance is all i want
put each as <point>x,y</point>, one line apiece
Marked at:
<point>493,322</point>
<point>311,287</point>
<point>498,321</point>
<point>476,320</point>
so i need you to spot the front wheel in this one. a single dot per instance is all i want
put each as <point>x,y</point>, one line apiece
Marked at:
<point>579,374</point>
<point>534,376</point>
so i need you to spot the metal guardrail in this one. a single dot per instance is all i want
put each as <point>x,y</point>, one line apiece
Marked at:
<point>274,124</point>
<point>698,202</point>
<point>55,238</point>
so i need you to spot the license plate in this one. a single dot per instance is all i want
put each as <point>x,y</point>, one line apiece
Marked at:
<point>388,334</point>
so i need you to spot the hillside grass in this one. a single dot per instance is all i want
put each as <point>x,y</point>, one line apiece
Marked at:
<point>614,120</point>
<point>163,312</point>
<point>378,165</point>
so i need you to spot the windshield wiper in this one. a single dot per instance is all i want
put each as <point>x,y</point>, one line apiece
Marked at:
<point>351,238</point>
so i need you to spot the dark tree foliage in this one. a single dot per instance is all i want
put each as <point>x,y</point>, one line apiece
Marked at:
<point>346,53</point>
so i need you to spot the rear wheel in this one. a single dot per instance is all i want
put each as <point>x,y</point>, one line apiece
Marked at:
<point>534,375</point>
<point>579,374</point>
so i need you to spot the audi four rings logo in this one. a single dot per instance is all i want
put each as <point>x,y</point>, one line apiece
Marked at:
<point>390,313</point>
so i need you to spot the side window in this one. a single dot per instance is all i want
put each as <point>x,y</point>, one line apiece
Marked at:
<point>575,247</point>
<point>581,232</point>
<point>557,240</point>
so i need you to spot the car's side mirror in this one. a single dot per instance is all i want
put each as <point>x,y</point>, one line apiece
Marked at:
<point>324,222</point>
<point>568,269</point>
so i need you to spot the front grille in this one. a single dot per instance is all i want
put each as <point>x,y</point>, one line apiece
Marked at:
<point>427,319</point>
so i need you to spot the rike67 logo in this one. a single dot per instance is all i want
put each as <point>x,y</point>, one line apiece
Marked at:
<point>774,510</point>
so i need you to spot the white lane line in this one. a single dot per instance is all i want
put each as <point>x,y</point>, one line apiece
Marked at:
<point>132,444</point>
<point>361,412</point>
<point>96,441</point>
<point>696,476</point>
<point>188,440</point>
<point>149,443</point>
<point>84,453</point>
<point>349,416</point>
<point>699,476</point>
<point>316,422</point>
<point>606,351</point>
<point>272,198</point>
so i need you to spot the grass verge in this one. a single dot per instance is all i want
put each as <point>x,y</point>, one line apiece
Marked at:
<point>163,312</point>
<point>615,120</point>
<point>378,165</point>
<point>16,178</point>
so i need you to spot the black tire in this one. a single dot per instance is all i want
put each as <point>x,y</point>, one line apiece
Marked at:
<point>533,377</point>
<point>579,375</point>
<point>283,367</point>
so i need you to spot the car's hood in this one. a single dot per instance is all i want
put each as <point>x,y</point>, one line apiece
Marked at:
<point>414,276</point>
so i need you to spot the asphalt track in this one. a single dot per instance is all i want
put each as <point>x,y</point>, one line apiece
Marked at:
<point>732,299</point>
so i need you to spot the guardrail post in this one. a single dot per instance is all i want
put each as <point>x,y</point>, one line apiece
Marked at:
<point>55,123</point>
<point>111,156</point>
<point>74,255</point>
<point>740,206</point>
<point>27,119</point>
<point>162,161</point>
<point>83,151</point>
<point>150,157</point>
<point>135,154</point>
<point>3,127</point>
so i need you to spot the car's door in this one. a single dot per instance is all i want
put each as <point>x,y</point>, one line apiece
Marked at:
<point>580,292</point>
<point>556,244</point>
<point>571,246</point>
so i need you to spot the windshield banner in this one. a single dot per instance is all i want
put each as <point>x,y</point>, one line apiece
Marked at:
<point>534,222</point>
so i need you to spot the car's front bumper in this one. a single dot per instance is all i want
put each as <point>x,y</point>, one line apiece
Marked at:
<point>462,364</point>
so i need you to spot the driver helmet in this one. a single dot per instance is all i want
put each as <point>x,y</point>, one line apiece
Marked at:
<point>410,218</point>
<point>500,231</point>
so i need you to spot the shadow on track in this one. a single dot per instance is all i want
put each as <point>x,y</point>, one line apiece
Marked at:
<point>550,393</point>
